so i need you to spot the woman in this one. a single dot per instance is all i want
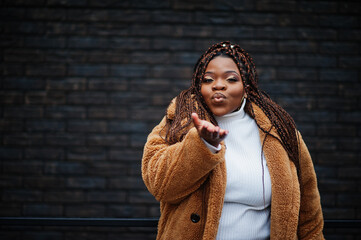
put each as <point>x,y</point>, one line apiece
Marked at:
<point>226,162</point>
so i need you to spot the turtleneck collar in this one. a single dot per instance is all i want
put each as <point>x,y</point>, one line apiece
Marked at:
<point>237,114</point>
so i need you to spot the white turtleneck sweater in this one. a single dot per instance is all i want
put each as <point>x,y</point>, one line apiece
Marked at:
<point>246,208</point>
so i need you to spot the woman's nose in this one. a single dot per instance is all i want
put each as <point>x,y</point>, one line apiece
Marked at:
<point>219,85</point>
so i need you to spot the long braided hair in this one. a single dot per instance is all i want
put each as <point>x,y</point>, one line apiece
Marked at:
<point>191,100</point>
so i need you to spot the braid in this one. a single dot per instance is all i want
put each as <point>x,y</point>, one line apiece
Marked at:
<point>191,100</point>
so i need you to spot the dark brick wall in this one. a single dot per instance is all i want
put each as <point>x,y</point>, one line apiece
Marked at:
<point>83,82</point>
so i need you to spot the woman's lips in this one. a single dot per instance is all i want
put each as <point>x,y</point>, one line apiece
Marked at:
<point>218,98</point>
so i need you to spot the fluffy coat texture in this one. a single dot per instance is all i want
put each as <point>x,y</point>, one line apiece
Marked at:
<point>189,181</point>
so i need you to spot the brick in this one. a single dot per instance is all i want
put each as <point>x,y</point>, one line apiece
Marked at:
<point>45,97</point>
<point>84,210</point>
<point>11,153</point>
<point>338,75</point>
<point>43,182</point>
<point>44,153</point>
<point>107,169</point>
<point>106,196</point>
<point>66,84</point>
<point>43,210</point>
<point>64,196</point>
<point>12,69</point>
<point>106,29</point>
<point>141,197</point>
<point>317,88</point>
<point>44,235</point>
<point>85,182</point>
<point>138,140</point>
<point>10,209</point>
<point>24,28</point>
<point>339,48</point>
<point>337,104</point>
<point>318,7</point>
<point>11,97</point>
<point>87,98</point>
<point>93,70</point>
<point>87,42</point>
<point>339,21</point>
<point>328,200</point>
<point>127,211</point>
<point>338,158</point>
<point>23,55</point>
<point>49,70</point>
<point>316,61</point>
<point>11,125</point>
<point>64,139</point>
<point>338,213</point>
<point>107,140</point>
<point>126,98</point>
<point>44,42</point>
<point>350,62</point>
<point>351,117</point>
<point>334,130</point>
<point>349,200</point>
<point>316,34</point>
<point>45,126</point>
<point>23,3</point>
<point>277,6</point>
<point>66,3</point>
<point>296,74</point>
<point>126,182</point>
<point>275,60</point>
<point>349,7</point>
<point>172,44</point>
<point>128,70</point>
<point>349,172</point>
<point>23,139</point>
<point>107,112</point>
<point>349,144</point>
<point>65,112</point>
<point>172,72</point>
<point>21,195</point>
<point>127,127</point>
<point>95,126</point>
<point>257,19</point>
<point>64,168</point>
<point>124,154</point>
<point>350,35</point>
<point>86,154</point>
<point>161,16</point>
<point>10,182</point>
<point>107,84</point>
<point>297,103</point>
<point>64,28</point>
<point>279,88</point>
<point>106,56</point>
<point>339,186</point>
<point>66,55</point>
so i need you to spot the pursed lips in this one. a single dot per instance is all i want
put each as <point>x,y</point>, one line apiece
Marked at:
<point>218,97</point>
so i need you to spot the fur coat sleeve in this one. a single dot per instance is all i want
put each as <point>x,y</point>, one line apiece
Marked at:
<point>173,172</point>
<point>310,216</point>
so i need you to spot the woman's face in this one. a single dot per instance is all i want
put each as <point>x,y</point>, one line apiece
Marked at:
<point>222,86</point>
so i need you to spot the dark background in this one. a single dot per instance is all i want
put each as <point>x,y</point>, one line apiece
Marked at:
<point>83,83</point>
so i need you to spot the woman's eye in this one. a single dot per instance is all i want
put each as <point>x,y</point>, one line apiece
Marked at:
<point>207,80</point>
<point>232,79</point>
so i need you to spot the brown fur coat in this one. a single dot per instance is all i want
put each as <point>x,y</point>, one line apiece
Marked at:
<point>190,182</point>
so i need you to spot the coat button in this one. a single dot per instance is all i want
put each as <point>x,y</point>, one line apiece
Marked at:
<point>195,218</point>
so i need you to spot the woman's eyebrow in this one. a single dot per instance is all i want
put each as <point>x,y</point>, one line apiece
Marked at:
<point>231,71</point>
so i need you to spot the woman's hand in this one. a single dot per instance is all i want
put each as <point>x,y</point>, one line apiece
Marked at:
<point>206,130</point>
